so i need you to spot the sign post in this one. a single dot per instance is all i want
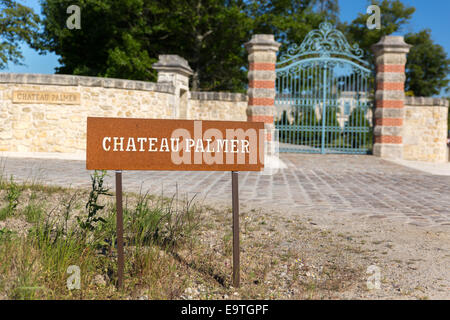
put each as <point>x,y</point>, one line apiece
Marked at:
<point>235,204</point>
<point>181,145</point>
<point>119,229</point>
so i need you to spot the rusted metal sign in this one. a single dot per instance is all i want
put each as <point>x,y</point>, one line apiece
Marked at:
<point>183,145</point>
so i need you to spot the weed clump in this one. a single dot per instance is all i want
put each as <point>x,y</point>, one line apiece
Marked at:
<point>77,228</point>
<point>13,192</point>
<point>93,208</point>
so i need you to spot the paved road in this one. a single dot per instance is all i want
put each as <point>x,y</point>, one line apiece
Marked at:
<point>332,184</point>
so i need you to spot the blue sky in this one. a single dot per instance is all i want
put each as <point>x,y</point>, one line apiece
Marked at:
<point>431,14</point>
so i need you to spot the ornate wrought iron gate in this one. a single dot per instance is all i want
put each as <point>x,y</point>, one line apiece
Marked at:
<point>323,96</point>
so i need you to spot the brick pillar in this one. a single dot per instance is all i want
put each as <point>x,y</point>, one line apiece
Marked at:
<point>390,58</point>
<point>262,50</point>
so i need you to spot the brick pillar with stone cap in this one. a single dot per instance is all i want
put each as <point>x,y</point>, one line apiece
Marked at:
<point>262,50</point>
<point>390,58</point>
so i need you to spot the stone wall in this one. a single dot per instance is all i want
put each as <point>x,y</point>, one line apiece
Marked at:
<point>217,105</point>
<point>425,129</point>
<point>61,127</point>
<point>44,125</point>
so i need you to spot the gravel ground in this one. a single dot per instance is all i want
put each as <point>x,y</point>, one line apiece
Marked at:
<point>414,262</point>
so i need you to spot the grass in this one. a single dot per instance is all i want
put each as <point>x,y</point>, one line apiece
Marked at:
<point>172,246</point>
<point>13,192</point>
<point>33,213</point>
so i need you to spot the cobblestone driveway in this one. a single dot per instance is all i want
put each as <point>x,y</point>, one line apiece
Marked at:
<point>332,184</point>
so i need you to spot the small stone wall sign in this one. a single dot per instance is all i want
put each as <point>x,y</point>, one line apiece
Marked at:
<point>46,97</point>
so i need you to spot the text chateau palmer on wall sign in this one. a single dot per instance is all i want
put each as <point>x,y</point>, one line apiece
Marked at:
<point>184,145</point>
<point>48,97</point>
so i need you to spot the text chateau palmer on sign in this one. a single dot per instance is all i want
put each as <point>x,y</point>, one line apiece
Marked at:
<point>184,145</point>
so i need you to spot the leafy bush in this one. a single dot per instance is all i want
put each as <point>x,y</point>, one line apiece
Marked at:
<point>304,116</point>
<point>358,119</point>
<point>308,118</point>
<point>330,122</point>
<point>281,122</point>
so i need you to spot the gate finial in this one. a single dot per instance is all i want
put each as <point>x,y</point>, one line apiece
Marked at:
<point>326,41</point>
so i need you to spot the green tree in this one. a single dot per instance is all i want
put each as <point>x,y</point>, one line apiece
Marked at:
<point>394,15</point>
<point>17,23</point>
<point>328,8</point>
<point>111,41</point>
<point>123,38</point>
<point>290,21</point>
<point>427,66</point>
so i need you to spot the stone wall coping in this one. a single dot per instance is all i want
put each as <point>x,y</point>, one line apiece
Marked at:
<point>425,101</point>
<point>72,80</point>
<point>218,96</point>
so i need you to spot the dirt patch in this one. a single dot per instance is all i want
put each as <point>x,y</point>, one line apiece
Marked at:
<point>413,261</point>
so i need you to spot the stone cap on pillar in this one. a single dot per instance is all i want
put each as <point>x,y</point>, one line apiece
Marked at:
<point>172,63</point>
<point>262,42</point>
<point>391,44</point>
